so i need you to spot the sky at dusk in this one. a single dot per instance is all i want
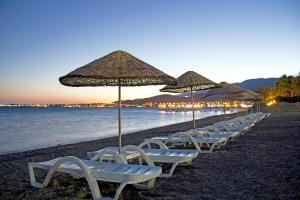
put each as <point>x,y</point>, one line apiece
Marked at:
<point>221,40</point>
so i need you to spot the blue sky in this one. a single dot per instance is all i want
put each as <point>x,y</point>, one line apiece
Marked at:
<point>222,40</point>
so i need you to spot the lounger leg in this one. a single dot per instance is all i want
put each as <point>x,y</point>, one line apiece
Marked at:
<point>225,142</point>
<point>213,146</point>
<point>187,163</point>
<point>149,146</point>
<point>208,145</point>
<point>33,181</point>
<point>150,184</point>
<point>171,170</point>
<point>119,190</point>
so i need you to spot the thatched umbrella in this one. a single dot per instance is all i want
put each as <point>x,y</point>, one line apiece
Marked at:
<point>226,91</point>
<point>248,95</point>
<point>188,82</point>
<point>218,97</point>
<point>118,68</point>
<point>257,98</point>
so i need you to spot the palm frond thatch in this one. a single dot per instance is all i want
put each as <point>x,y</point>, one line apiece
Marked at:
<point>224,89</point>
<point>190,81</point>
<point>118,68</point>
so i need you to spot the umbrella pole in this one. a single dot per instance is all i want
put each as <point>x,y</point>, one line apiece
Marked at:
<point>224,108</point>
<point>193,108</point>
<point>224,111</point>
<point>119,116</point>
<point>256,107</point>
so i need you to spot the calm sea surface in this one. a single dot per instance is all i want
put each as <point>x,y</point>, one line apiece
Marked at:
<point>32,128</point>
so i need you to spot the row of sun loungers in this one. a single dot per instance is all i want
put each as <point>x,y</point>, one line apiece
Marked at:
<point>111,166</point>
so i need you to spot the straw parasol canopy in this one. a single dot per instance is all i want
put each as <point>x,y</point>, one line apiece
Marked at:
<point>226,91</point>
<point>118,68</point>
<point>218,97</point>
<point>247,96</point>
<point>231,92</point>
<point>257,98</point>
<point>254,94</point>
<point>188,82</point>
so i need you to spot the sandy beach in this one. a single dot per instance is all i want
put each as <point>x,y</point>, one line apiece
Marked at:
<point>262,164</point>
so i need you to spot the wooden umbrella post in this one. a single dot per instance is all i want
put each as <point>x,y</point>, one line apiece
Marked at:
<point>224,111</point>
<point>224,107</point>
<point>119,116</point>
<point>256,106</point>
<point>193,108</point>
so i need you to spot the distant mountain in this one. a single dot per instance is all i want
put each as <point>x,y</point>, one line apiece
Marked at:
<point>255,84</point>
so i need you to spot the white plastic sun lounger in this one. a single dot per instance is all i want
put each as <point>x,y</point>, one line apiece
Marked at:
<point>253,118</point>
<point>216,130</point>
<point>260,116</point>
<point>197,141</point>
<point>94,170</point>
<point>161,155</point>
<point>246,121</point>
<point>233,126</point>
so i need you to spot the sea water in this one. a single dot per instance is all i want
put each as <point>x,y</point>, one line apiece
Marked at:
<point>23,128</point>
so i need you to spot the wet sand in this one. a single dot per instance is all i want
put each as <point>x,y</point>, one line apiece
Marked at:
<point>262,164</point>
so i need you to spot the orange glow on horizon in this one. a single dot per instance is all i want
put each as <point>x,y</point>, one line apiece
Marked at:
<point>73,95</point>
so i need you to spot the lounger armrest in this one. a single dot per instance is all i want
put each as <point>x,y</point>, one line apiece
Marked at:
<point>198,131</point>
<point>148,142</point>
<point>212,128</point>
<point>85,170</point>
<point>203,129</point>
<point>183,134</point>
<point>104,153</point>
<point>141,151</point>
<point>222,126</point>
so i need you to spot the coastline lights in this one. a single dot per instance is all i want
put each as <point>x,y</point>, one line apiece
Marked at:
<point>272,102</point>
<point>188,106</point>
